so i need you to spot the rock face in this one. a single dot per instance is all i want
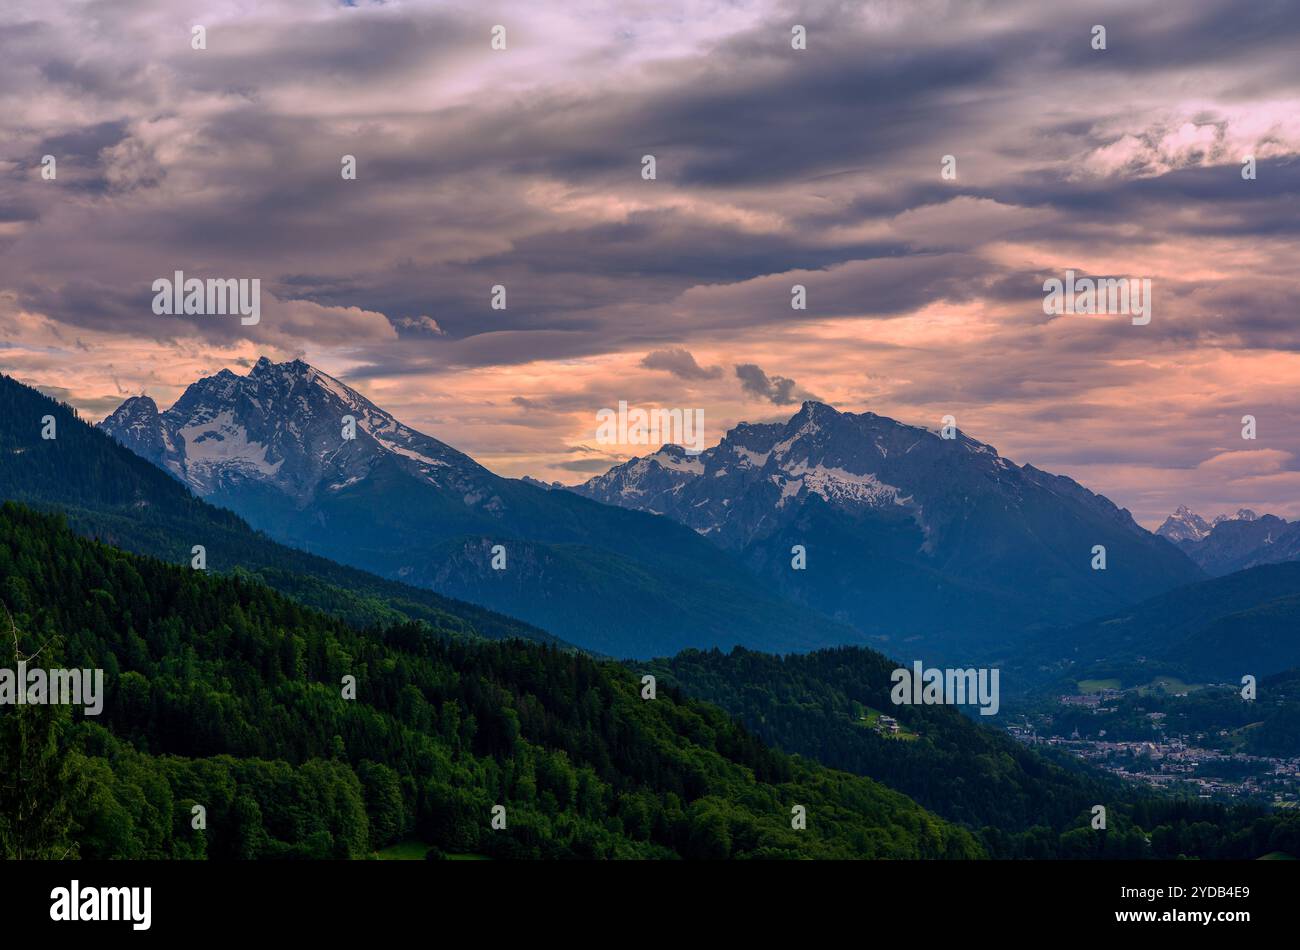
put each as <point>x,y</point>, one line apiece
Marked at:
<point>136,425</point>
<point>908,531</point>
<point>1233,542</point>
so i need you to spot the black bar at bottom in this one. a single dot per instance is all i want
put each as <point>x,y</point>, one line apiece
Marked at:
<point>328,899</point>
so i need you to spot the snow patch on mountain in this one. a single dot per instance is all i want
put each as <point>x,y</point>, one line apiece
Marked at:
<point>222,444</point>
<point>838,484</point>
<point>1243,514</point>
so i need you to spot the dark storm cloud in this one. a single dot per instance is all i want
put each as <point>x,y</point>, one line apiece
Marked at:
<point>335,52</point>
<point>586,466</point>
<point>734,126</point>
<point>679,361</point>
<point>84,143</point>
<point>779,390</point>
<point>91,304</point>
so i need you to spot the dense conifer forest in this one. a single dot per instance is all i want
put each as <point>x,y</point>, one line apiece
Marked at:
<point>223,693</point>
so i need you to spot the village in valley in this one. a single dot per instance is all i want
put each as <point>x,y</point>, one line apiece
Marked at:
<point>1168,736</point>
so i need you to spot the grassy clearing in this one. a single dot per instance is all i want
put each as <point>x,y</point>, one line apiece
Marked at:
<point>1168,684</point>
<point>1096,686</point>
<point>871,720</point>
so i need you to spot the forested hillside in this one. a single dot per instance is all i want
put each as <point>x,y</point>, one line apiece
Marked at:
<point>223,693</point>
<point>826,705</point>
<point>1208,632</point>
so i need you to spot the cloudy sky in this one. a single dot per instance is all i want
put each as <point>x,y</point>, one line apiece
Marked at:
<point>775,166</point>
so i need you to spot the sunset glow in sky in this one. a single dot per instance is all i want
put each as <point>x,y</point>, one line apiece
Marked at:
<point>775,167</point>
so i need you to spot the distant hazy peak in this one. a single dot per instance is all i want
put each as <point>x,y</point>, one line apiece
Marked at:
<point>1184,525</point>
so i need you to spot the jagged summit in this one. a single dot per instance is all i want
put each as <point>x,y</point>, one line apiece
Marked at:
<point>1184,525</point>
<point>133,410</point>
<point>135,424</point>
<point>282,425</point>
<point>1243,514</point>
<point>845,458</point>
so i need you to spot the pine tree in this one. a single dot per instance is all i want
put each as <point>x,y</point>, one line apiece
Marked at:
<point>39,778</point>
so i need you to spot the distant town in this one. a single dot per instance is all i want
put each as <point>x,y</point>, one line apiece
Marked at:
<point>1203,762</point>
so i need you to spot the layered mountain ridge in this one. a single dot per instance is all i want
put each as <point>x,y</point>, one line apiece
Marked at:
<point>906,536</point>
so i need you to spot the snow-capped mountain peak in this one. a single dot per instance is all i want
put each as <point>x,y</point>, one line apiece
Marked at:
<point>137,414</point>
<point>1185,525</point>
<point>663,472</point>
<point>288,426</point>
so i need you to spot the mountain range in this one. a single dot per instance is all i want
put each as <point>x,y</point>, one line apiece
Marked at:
<point>1232,542</point>
<point>908,536</point>
<point>270,447</point>
<point>911,541</point>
